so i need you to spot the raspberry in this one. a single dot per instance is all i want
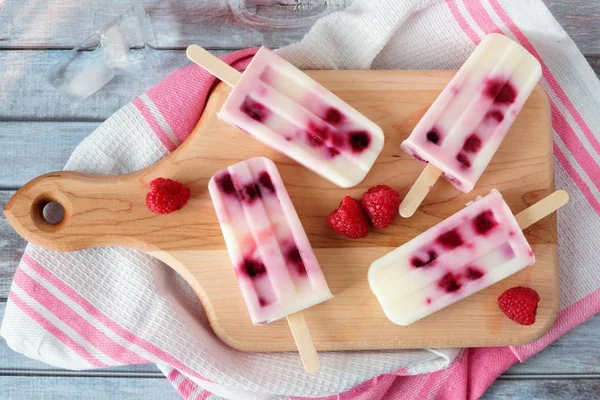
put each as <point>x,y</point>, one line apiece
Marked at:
<point>349,219</point>
<point>381,205</point>
<point>166,196</point>
<point>520,304</point>
<point>359,141</point>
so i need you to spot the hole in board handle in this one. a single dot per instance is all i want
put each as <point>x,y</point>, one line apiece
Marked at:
<point>50,213</point>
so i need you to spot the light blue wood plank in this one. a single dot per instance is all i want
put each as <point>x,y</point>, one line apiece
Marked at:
<point>544,389</point>
<point>577,352</point>
<point>177,23</point>
<point>34,148</point>
<point>85,388</point>
<point>580,19</point>
<point>11,248</point>
<point>25,94</point>
<point>210,23</point>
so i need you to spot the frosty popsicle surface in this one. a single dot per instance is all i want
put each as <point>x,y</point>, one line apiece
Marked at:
<point>461,131</point>
<point>277,270</point>
<point>469,251</point>
<point>285,109</point>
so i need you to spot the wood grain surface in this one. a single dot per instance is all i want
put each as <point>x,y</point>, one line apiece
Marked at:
<point>38,109</point>
<point>103,211</point>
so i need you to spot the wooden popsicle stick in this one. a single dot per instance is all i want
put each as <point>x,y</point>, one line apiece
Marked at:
<point>213,64</point>
<point>304,342</point>
<point>542,208</point>
<point>419,190</point>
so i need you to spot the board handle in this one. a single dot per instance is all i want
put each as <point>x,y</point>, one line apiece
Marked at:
<point>95,210</point>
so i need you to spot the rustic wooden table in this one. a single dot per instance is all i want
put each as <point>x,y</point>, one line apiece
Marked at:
<point>39,129</point>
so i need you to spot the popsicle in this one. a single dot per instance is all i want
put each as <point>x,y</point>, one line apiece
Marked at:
<point>469,251</point>
<point>285,109</point>
<point>277,270</point>
<point>461,131</point>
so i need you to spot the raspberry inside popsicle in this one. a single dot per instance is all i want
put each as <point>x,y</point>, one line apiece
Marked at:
<point>469,251</point>
<point>277,270</point>
<point>461,131</point>
<point>285,109</point>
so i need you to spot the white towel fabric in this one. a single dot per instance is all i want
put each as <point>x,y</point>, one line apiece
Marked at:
<point>111,306</point>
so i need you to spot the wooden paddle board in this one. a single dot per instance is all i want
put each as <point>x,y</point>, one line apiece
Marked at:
<point>110,210</point>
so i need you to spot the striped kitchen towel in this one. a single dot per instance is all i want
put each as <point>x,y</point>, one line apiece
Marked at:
<point>111,306</point>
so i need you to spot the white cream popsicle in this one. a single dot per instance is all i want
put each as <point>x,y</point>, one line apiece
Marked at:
<point>461,131</point>
<point>276,267</point>
<point>469,251</point>
<point>285,109</point>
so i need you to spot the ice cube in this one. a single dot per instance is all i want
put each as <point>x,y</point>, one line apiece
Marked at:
<point>88,81</point>
<point>122,47</point>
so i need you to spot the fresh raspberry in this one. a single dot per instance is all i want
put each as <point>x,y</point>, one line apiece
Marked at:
<point>381,205</point>
<point>166,196</point>
<point>349,219</point>
<point>520,304</point>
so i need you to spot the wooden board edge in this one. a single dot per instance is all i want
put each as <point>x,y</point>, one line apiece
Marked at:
<point>543,329</point>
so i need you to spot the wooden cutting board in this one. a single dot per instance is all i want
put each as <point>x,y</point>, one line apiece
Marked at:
<point>103,211</point>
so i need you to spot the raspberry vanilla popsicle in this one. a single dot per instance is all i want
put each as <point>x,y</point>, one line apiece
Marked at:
<point>469,251</point>
<point>277,270</point>
<point>285,109</point>
<point>461,131</point>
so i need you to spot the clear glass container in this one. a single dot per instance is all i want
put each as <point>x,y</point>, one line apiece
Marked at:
<point>125,46</point>
<point>288,14</point>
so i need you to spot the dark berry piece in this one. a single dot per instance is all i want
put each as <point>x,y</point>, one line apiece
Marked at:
<point>333,151</point>
<point>484,222</point>
<point>472,144</point>
<point>450,283</point>
<point>464,160</point>
<point>314,140</point>
<point>418,157</point>
<point>250,193</point>
<point>419,263</point>
<point>502,92</point>
<point>316,135</point>
<point>428,300</point>
<point>254,109</point>
<point>474,273</point>
<point>497,115</point>
<point>333,116</point>
<point>507,94</point>
<point>253,268</point>
<point>294,259</point>
<point>225,184</point>
<point>433,136</point>
<point>337,140</point>
<point>265,180</point>
<point>359,141</point>
<point>450,239</point>
<point>263,302</point>
<point>320,131</point>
